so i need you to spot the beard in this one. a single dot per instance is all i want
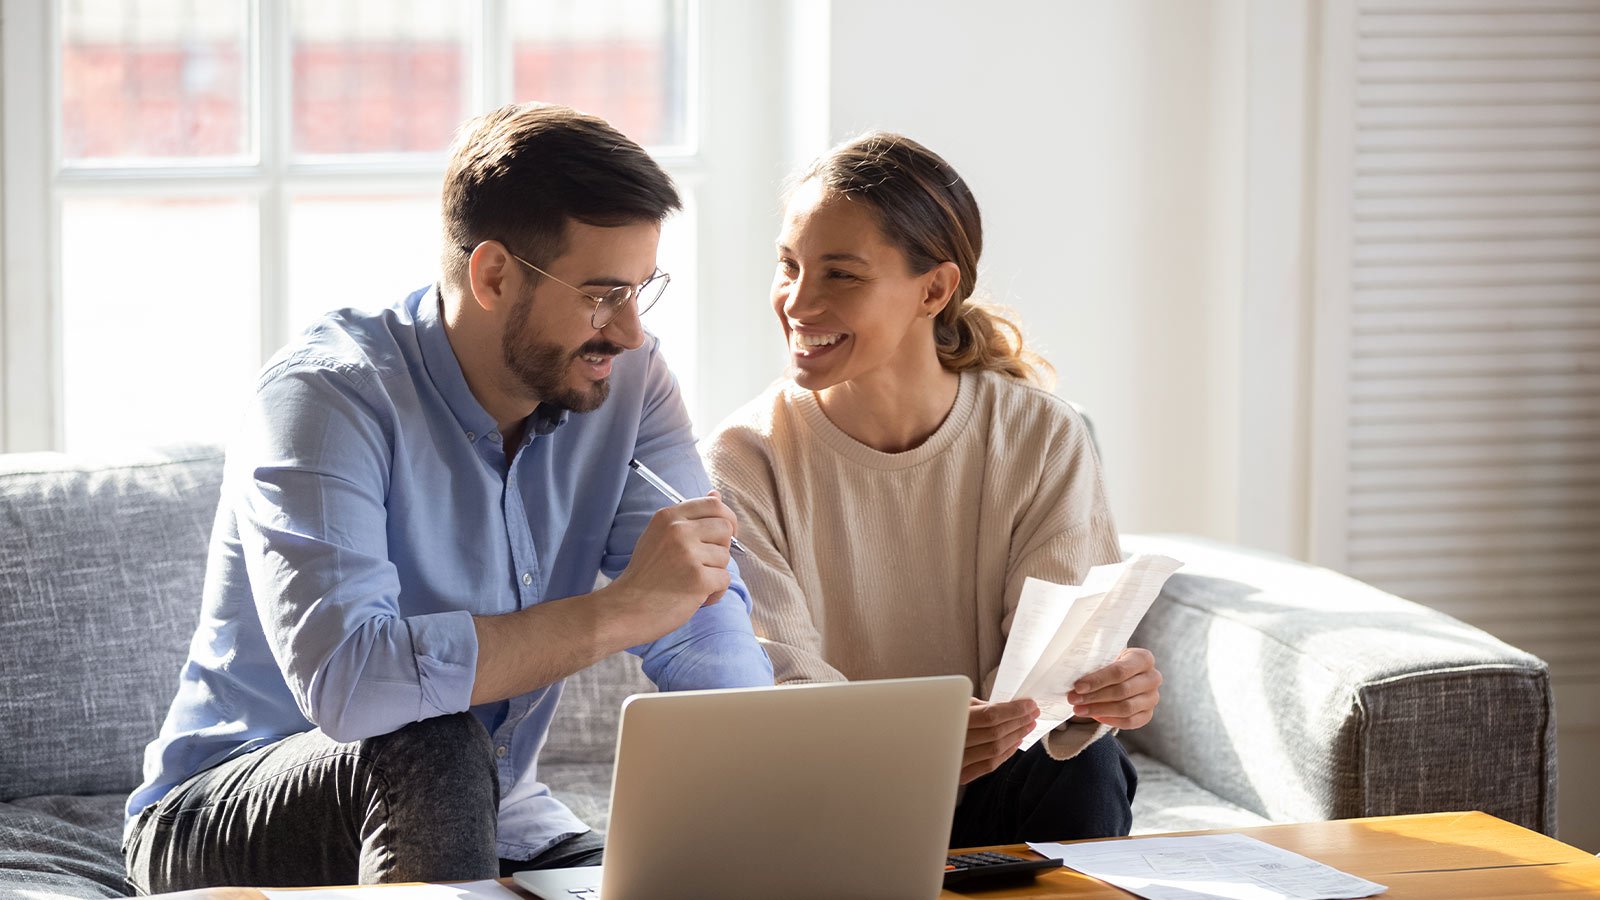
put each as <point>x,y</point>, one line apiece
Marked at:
<point>542,367</point>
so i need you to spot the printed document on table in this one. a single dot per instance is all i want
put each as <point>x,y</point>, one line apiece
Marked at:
<point>471,890</point>
<point>1230,866</point>
<point>1062,632</point>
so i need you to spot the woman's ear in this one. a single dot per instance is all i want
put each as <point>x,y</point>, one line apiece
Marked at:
<point>489,275</point>
<point>941,286</point>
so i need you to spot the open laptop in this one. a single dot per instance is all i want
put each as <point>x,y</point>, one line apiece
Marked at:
<point>823,790</point>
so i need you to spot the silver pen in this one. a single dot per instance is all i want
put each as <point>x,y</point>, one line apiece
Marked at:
<point>669,492</point>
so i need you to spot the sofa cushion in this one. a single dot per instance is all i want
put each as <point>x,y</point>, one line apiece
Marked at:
<point>100,574</point>
<point>1167,801</point>
<point>59,846</point>
<point>585,726</point>
<point>584,787</point>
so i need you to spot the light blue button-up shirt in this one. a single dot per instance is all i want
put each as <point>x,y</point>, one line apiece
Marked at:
<point>368,513</point>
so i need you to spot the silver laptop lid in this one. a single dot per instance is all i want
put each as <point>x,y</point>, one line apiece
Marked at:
<point>829,790</point>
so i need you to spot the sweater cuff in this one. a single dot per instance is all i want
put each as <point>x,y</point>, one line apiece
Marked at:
<point>1070,737</point>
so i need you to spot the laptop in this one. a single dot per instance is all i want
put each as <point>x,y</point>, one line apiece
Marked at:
<point>840,790</point>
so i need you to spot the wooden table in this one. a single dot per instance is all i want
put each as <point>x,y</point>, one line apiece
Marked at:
<point>1438,855</point>
<point>1460,856</point>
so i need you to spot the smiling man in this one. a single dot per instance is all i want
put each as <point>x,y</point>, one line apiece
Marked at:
<point>403,564</point>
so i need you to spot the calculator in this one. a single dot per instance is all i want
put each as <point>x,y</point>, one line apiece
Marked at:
<point>976,871</point>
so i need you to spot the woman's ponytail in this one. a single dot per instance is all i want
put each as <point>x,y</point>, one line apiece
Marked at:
<point>973,334</point>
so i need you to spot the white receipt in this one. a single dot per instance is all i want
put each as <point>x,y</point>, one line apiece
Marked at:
<point>1062,632</point>
<point>470,890</point>
<point>1231,866</point>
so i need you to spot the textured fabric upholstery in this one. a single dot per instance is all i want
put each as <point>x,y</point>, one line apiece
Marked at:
<point>585,727</point>
<point>1167,801</point>
<point>100,571</point>
<point>1298,693</point>
<point>584,787</point>
<point>62,847</point>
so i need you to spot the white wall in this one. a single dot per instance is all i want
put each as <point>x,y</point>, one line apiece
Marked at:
<point>1104,140</point>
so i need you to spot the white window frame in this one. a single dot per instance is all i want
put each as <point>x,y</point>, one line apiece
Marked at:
<point>732,153</point>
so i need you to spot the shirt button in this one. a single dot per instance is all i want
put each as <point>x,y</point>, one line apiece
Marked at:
<point>500,752</point>
<point>471,436</point>
<point>494,436</point>
<point>527,578</point>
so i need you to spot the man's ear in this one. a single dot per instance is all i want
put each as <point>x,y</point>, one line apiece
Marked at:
<point>941,286</point>
<point>490,275</point>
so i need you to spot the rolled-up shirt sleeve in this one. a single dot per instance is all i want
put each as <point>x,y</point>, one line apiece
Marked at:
<point>313,531</point>
<point>717,647</point>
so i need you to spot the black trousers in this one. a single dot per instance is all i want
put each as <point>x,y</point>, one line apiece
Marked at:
<point>1032,797</point>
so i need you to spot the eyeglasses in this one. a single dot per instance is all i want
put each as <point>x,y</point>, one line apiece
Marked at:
<point>607,305</point>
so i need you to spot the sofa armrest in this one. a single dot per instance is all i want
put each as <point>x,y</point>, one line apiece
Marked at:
<point>1302,694</point>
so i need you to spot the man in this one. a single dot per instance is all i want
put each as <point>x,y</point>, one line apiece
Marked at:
<point>402,568</point>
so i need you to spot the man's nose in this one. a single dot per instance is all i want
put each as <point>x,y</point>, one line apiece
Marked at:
<point>625,330</point>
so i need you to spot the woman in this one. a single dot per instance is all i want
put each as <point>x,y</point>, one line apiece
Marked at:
<point>895,491</point>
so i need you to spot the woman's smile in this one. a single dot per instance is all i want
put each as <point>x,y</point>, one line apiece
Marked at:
<point>810,345</point>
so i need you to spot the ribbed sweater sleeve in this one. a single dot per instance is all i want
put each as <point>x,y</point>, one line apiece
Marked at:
<point>748,483</point>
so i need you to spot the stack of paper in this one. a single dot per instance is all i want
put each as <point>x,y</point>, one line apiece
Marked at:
<point>1062,632</point>
<point>1231,866</point>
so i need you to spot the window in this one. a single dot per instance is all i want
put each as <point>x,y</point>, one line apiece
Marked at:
<point>215,174</point>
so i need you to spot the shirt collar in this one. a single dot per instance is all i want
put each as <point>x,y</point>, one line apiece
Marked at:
<point>444,370</point>
<point>547,418</point>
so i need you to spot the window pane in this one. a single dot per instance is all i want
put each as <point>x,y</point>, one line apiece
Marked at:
<point>154,79</point>
<point>377,76</point>
<point>366,252</point>
<point>159,318</point>
<point>621,59</point>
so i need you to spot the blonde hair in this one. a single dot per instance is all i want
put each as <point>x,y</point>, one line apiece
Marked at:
<point>927,211</point>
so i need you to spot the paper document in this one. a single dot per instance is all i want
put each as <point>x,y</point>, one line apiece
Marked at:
<point>1063,632</point>
<point>1209,865</point>
<point>470,890</point>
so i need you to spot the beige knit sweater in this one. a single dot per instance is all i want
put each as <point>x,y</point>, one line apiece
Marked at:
<point>865,564</point>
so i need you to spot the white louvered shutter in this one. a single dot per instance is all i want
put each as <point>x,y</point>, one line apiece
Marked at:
<point>1468,261</point>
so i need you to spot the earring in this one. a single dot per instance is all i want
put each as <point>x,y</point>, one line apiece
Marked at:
<point>932,314</point>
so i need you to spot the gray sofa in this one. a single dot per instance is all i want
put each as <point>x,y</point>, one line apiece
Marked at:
<point>1292,693</point>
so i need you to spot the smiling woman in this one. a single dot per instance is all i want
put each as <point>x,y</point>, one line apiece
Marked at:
<point>897,490</point>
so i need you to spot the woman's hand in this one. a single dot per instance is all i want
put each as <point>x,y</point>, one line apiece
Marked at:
<point>994,731</point>
<point>1123,694</point>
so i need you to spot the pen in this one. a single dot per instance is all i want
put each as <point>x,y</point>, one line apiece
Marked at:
<point>669,491</point>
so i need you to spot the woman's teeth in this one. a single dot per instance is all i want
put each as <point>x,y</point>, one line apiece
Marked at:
<point>816,340</point>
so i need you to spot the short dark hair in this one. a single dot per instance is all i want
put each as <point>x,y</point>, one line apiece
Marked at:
<point>519,173</point>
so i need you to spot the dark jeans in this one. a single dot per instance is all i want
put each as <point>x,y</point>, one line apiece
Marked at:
<point>418,804</point>
<point>1032,797</point>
